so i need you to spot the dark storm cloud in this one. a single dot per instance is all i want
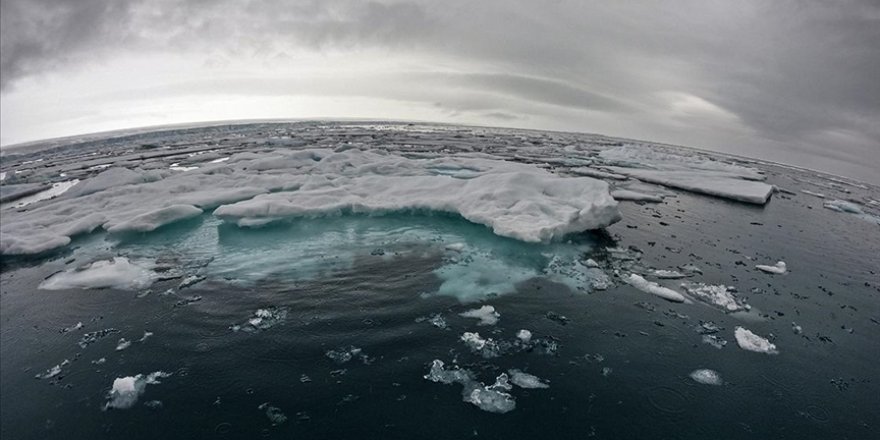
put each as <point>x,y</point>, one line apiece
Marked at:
<point>797,75</point>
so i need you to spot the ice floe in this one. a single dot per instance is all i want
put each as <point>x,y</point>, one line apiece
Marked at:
<point>653,288</point>
<point>706,377</point>
<point>344,354</point>
<point>273,413</point>
<point>262,319</point>
<point>54,371</point>
<point>486,314</point>
<point>752,342</point>
<point>709,183</point>
<point>126,390</point>
<point>851,208</point>
<point>778,268</point>
<point>485,347</point>
<point>524,335</point>
<point>492,398</point>
<point>118,273</point>
<point>526,380</point>
<point>717,295</point>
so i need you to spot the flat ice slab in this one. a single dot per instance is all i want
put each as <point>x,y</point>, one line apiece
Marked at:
<point>653,288</point>
<point>705,182</point>
<point>118,273</point>
<point>515,200</point>
<point>751,342</point>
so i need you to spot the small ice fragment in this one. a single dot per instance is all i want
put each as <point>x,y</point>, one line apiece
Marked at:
<point>796,328</point>
<point>526,380</point>
<point>457,247</point>
<point>145,336</point>
<point>99,361</point>
<point>190,280</point>
<point>492,398</point>
<point>153,404</point>
<point>118,273</point>
<point>778,268</point>
<point>524,335</point>
<point>715,341</point>
<point>486,314</point>
<point>623,194</point>
<point>668,274</point>
<point>122,344</point>
<point>273,413</point>
<point>706,377</point>
<point>591,263</point>
<point>54,371</point>
<point>437,321</point>
<point>815,194</point>
<point>606,371</point>
<point>487,348</point>
<point>720,295</point>
<point>752,342</point>
<point>76,326</point>
<point>127,390</point>
<point>438,373</point>
<point>653,288</point>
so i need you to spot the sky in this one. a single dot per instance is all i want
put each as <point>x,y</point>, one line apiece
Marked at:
<point>788,81</point>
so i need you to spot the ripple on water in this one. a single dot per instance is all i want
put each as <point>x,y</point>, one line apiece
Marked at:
<point>666,399</point>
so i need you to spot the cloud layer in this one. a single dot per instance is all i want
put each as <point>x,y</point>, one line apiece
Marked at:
<point>785,80</point>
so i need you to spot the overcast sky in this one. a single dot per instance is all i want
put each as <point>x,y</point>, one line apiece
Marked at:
<point>791,81</point>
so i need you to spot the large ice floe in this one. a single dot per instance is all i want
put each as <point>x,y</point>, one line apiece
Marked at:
<point>515,200</point>
<point>694,172</point>
<point>752,342</point>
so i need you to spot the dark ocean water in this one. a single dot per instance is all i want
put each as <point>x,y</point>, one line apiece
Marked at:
<point>617,364</point>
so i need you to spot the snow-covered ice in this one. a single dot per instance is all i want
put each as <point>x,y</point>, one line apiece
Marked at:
<point>118,273</point>
<point>778,268</point>
<point>653,288</point>
<point>126,390</point>
<point>752,342</point>
<point>486,314</point>
<point>524,335</point>
<point>485,347</point>
<point>492,398</point>
<point>706,377</point>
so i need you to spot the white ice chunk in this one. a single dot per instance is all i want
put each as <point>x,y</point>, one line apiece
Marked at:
<point>118,273</point>
<point>625,194</point>
<point>486,314</point>
<point>487,347</point>
<point>524,335</point>
<point>668,274</point>
<point>122,344</point>
<point>127,390</point>
<point>815,194</point>
<point>710,183</point>
<point>719,295</point>
<point>752,342</point>
<point>526,380</point>
<point>851,208</point>
<point>706,377</point>
<point>653,288</point>
<point>111,178</point>
<point>778,268</point>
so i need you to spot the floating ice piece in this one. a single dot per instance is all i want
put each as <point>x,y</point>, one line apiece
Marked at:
<point>145,336</point>
<point>715,341</point>
<point>815,194</point>
<point>118,273</point>
<point>625,194</point>
<point>668,274</point>
<point>752,342</point>
<point>263,319</point>
<point>526,380</point>
<point>653,288</point>
<point>778,268</point>
<point>851,208</point>
<point>436,320</point>
<point>91,337</point>
<point>487,348</point>
<point>718,295</point>
<point>345,354</point>
<point>524,335</point>
<point>275,415</point>
<point>54,371</point>
<point>153,220</point>
<point>127,390</point>
<point>122,344</point>
<point>76,326</point>
<point>710,183</point>
<point>493,398</point>
<point>190,280</point>
<point>706,377</point>
<point>486,314</point>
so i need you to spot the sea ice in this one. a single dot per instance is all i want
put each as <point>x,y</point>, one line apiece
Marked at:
<point>709,183</point>
<point>262,319</point>
<point>592,172</point>
<point>526,380</point>
<point>118,273</point>
<point>752,342</point>
<point>486,348</point>
<point>718,295</point>
<point>653,288</point>
<point>54,371</point>
<point>668,274</point>
<point>851,208</point>
<point>492,398</point>
<point>815,194</point>
<point>127,390</point>
<point>778,268</point>
<point>706,377</point>
<point>153,220</point>
<point>123,344</point>
<point>524,335</point>
<point>273,413</point>
<point>486,314</point>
